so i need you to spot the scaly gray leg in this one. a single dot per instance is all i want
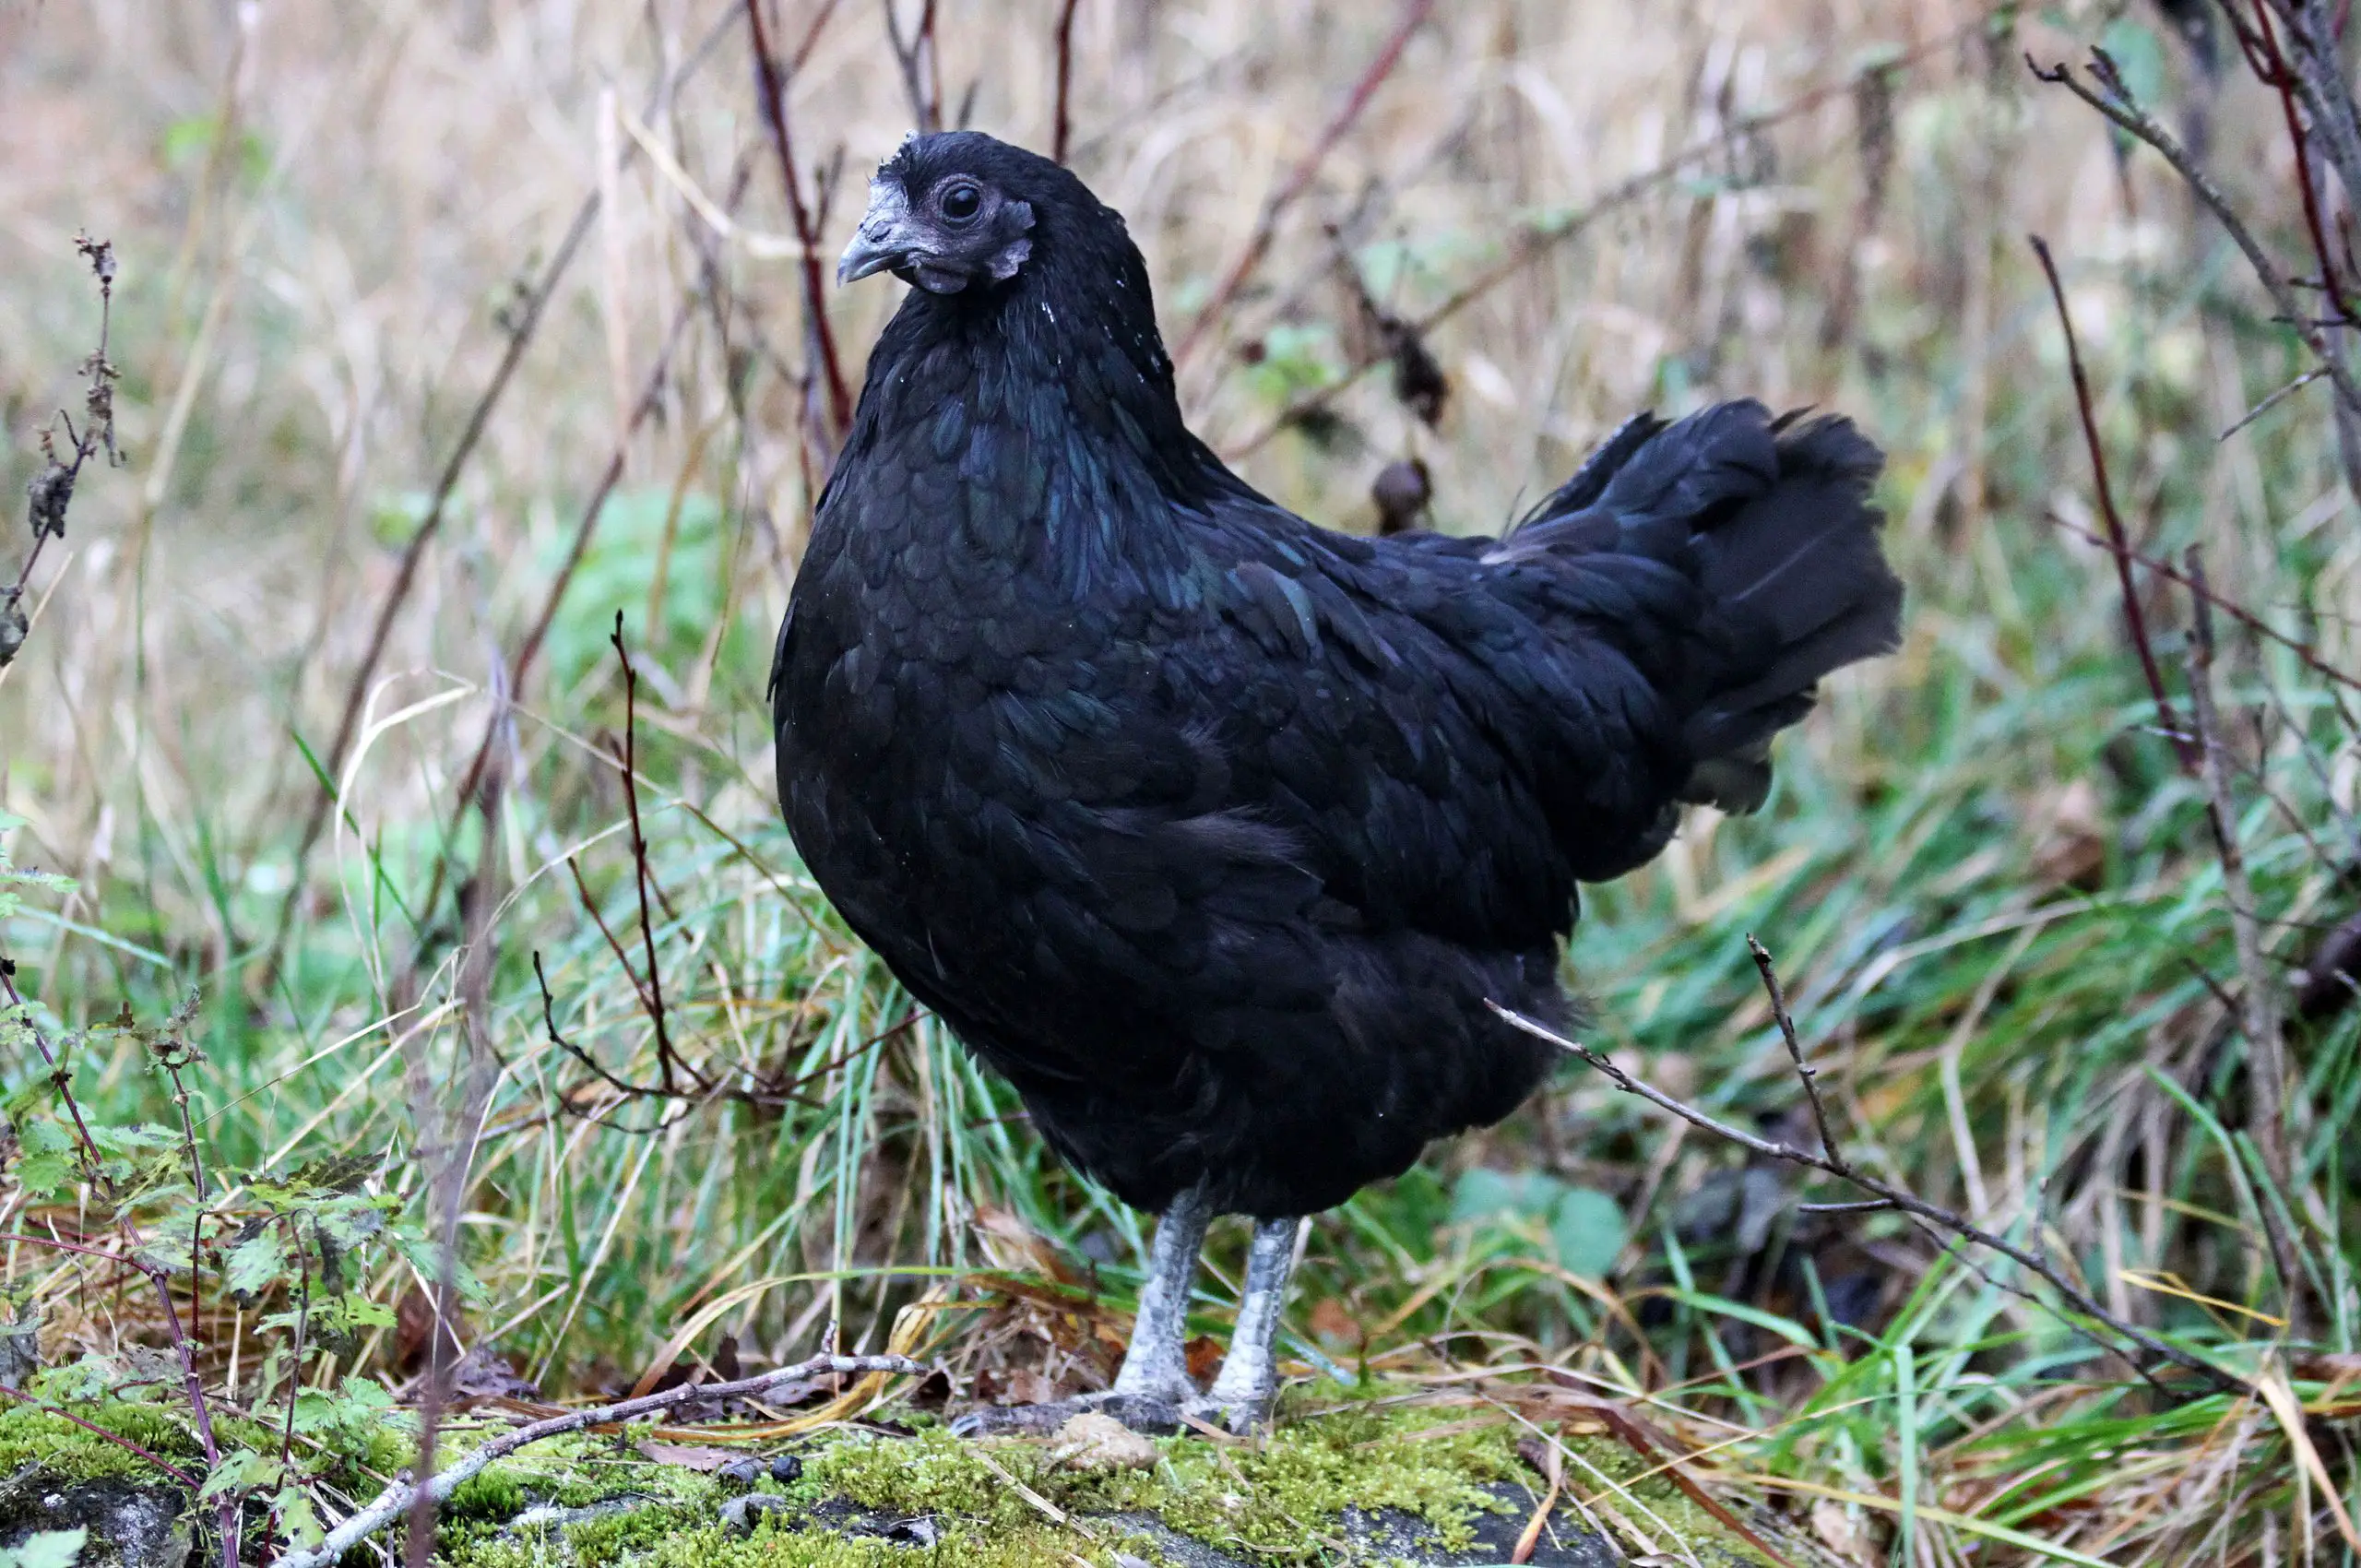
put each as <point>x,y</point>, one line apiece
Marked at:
<point>1156,1366</point>
<point>1240,1396</point>
<point>1154,1383</point>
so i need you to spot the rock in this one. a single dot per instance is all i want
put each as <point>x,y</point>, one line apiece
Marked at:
<point>740,1514</point>
<point>1386,1536</point>
<point>1093,1441</point>
<point>742,1472</point>
<point>131,1523</point>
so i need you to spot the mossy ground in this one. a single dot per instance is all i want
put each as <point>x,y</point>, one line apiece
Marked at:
<point>28,1436</point>
<point>1273,1502</point>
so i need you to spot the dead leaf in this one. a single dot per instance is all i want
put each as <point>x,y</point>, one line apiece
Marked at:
<point>1027,1386</point>
<point>1839,1531</point>
<point>1009,1244</point>
<point>1205,1354</point>
<point>2070,845</point>
<point>483,1374</point>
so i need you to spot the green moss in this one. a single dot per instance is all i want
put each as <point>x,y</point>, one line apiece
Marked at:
<point>490,1495</point>
<point>1034,1546</point>
<point>1275,1502</point>
<point>35,1437</point>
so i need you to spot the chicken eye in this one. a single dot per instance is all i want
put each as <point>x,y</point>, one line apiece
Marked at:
<point>961,202</point>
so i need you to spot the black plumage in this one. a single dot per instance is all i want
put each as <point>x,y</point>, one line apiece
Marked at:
<point>1210,830</point>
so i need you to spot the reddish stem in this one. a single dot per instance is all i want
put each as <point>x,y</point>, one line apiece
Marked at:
<point>2279,77</point>
<point>2118,541</point>
<point>1061,132</point>
<point>774,111</point>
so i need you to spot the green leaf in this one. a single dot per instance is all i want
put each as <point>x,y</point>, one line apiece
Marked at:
<point>258,1263</point>
<point>43,1175</point>
<point>242,1471</point>
<point>89,1377</point>
<point>1481,1194</point>
<point>299,1521</point>
<point>46,1548</point>
<point>1588,1232</point>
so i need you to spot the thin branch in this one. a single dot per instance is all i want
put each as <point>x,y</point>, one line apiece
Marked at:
<point>1299,180</point>
<point>920,66</point>
<point>772,84</point>
<point>549,1023</point>
<point>1804,1070</point>
<point>51,490</point>
<point>68,1247</point>
<point>1062,125</point>
<point>389,1505</point>
<point>2119,539</point>
<point>651,396</point>
<point>2272,401</point>
<point>2305,652</point>
<point>1542,239</point>
<point>2267,1072</point>
<point>2127,114</point>
<point>1909,1203</point>
<point>639,854</point>
<point>449,1165</point>
<point>614,943</point>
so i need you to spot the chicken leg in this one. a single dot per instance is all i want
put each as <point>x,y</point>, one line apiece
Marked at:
<point>1240,1396</point>
<point>1152,1386</point>
<point>1156,1365</point>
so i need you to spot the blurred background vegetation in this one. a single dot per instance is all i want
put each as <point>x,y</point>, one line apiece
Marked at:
<point>1989,881</point>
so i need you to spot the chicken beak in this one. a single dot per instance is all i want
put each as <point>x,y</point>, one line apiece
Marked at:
<point>880,242</point>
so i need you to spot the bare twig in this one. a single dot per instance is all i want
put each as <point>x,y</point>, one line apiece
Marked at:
<point>458,1135</point>
<point>1804,1070</point>
<point>520,664</point>
<point>920,65</point>
<point>2076,1298</point>
<point>1062,127</point>
<point>549,1023</point>
<point>2258,1011</point>
<point>2118,541</point>
<point>614,943</point>
<point>639,855</point>
<point>773,108</point>
<point>1299,180</point>
<point>2114,100</point>
<point>2272,401</point>
<point>389,1505</point>
<point>2306,654</point>
<point>2270,64</point>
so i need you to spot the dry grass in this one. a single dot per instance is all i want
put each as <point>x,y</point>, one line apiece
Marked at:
<point>1985,883</point>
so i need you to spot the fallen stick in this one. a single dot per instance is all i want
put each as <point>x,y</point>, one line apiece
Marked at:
<point>396,1498</point>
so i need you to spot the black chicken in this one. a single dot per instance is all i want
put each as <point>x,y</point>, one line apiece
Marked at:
<point>1214,831</point>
